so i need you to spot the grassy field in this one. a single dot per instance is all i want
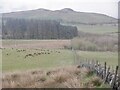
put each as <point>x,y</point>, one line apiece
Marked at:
<point>14,59</point>
<point>98,29</point>
<point>29,66</point>
<point>110,57</point>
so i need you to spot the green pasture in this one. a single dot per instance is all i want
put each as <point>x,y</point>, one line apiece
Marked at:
<point>13,60</point>
<point>98,29</point>
<point>110,57</point>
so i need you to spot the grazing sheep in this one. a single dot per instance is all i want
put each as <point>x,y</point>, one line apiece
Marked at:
<point>26,56</point>
<point>35,53</point>
<point>58,51</point>
<point>24,50</point>
<point>42,52</point>
<point>39,53</point>
<point>29,55</point>
<point>48,53</point>
<point>20,50</point>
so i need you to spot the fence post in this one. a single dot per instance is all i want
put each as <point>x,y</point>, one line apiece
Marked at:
<point>93,66</point>
<point>98,68</point>
<point>104,70</point>
<point>107,74</point>
<point>119,78</point>
<point>113,83</point>
<point>116,72</point>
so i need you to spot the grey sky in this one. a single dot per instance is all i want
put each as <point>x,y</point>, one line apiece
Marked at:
<point>109,7</point>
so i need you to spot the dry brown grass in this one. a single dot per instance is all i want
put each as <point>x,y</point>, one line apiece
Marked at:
<point>68,77</point>
<point>52,44</point>
<point>95,42</point>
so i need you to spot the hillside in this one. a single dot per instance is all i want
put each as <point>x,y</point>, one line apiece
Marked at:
<point>65,15</point>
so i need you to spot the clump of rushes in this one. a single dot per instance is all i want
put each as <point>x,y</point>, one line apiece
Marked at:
<point>67,77</point>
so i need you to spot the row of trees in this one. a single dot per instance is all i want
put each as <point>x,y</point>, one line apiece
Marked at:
<point>36,29</point>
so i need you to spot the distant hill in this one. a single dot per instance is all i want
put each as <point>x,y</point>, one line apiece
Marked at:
<point>65,15</point>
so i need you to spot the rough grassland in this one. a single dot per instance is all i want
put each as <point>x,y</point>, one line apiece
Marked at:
<point>67,77</point>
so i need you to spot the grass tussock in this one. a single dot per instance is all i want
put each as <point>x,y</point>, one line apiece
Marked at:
<point>68,77</point>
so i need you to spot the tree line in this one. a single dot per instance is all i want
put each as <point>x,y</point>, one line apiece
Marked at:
<point>36,29</point>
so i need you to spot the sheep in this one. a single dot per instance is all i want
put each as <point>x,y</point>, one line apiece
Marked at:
<point>7,54</point>
<point>39,53</point>
<point>58,51</point>
<point>48,53</point>
<point>29,55</point>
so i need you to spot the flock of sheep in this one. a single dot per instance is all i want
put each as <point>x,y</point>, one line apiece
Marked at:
<point>36,52</point>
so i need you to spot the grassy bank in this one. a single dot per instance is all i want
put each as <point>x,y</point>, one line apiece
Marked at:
<point>67,77</point>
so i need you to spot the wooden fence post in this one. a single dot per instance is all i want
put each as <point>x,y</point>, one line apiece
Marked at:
<point>110,77</point>
<point>104,70</point>
<point>113,82</point>
<point>107,74</point>
<point>116,72</point>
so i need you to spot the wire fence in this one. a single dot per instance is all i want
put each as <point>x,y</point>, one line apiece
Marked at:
<point>106,73</point>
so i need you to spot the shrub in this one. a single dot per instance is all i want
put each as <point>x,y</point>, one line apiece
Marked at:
<point>95,42</point>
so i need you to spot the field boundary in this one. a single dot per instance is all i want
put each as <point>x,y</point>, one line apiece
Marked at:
<point>108,75</point>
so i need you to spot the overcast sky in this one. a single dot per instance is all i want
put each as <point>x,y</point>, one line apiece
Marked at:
<point>108,7</point>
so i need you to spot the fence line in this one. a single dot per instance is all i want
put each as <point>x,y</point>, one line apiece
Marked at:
<point>105,72</point>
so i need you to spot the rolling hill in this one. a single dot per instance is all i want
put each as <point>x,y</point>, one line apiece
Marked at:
<point>65,15</point>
